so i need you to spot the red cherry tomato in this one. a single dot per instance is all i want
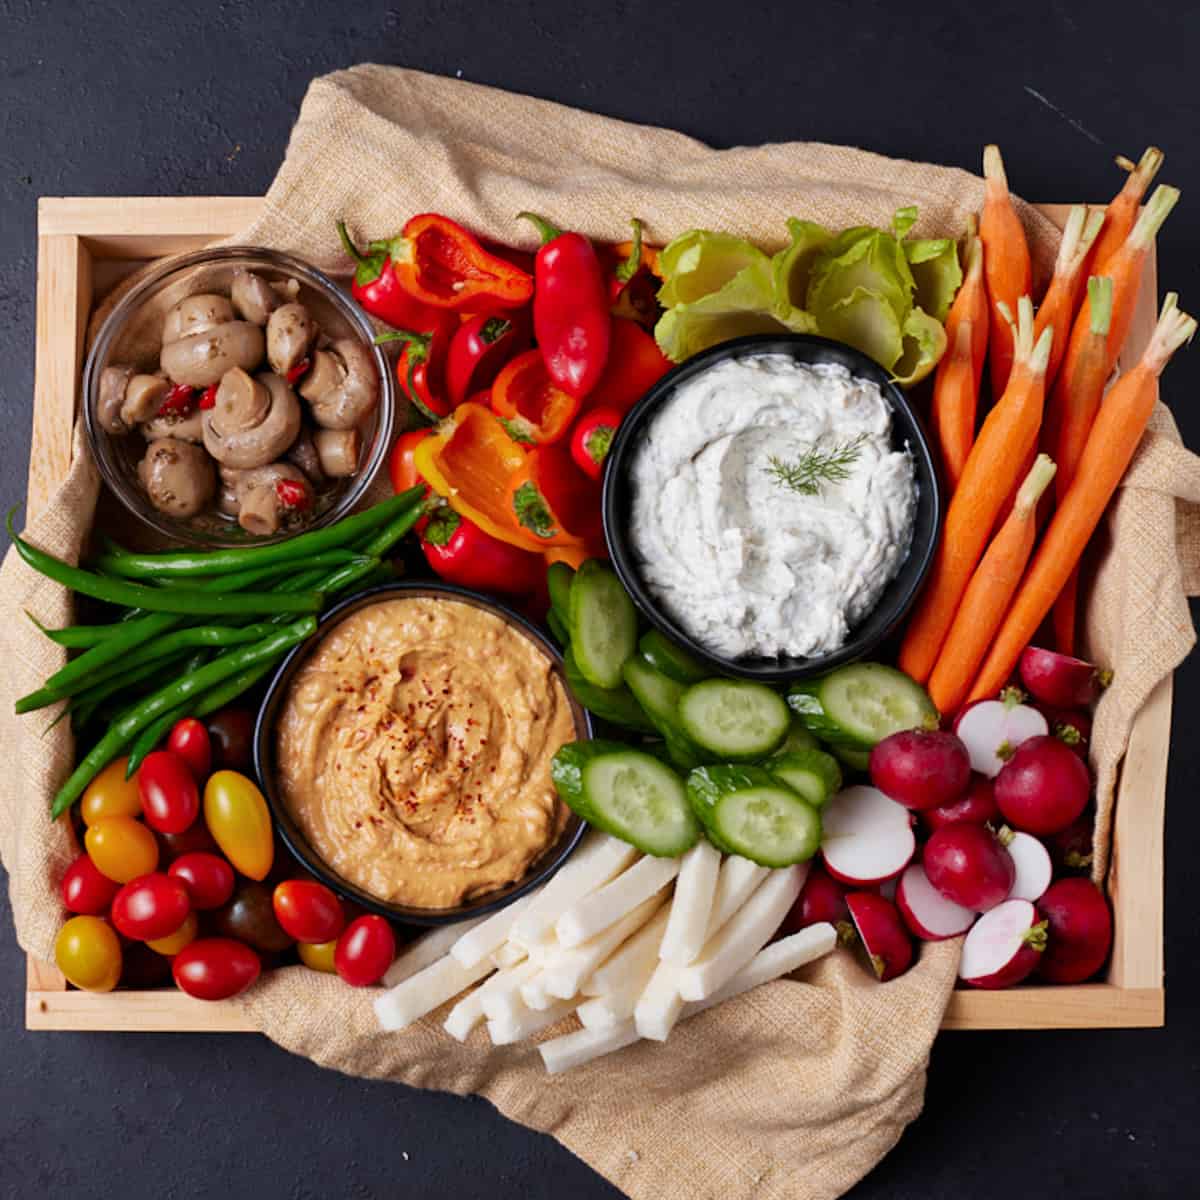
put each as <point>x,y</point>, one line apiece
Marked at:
<point>208,879</point>
<point>189,739</point>
<point>151,906</point>
<point>85,890</point>
<point>194,840</point>
<point>170,798</point>
<point>365,951</point>
<point>231,736</point>
<point>308,910</point>
<point>215,968</point>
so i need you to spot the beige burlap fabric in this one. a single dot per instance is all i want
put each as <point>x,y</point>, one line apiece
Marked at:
<point>797,1089</point>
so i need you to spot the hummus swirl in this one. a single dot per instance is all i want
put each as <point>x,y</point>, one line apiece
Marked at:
<point>413,751</point>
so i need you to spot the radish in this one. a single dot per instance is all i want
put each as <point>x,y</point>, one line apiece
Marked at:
<point>921,768</point>
<point>993,729</point>
<point>867,837</point>
<point>968,865</point>
<point>1059,679</point>
<point>926,911</point>
<point>887,889</point>
<point>1071,726</point>
<point>1071,850</point>
<point>1043,787</point>
<point>978,806</point>
<point>882,933</point>
<point>1032,861</point>
<point>1003,946</point>
<point>822,898</point>
<point>1081,931</point>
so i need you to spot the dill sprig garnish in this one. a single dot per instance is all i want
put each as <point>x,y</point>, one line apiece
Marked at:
<point>816,466</point>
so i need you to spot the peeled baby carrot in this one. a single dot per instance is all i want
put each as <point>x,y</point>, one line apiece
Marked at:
<point>955,399</point>
<point>989,593</point>
<point>992,468</point>
<point>1110,447</point>
<point>971,302</point>
<point>1120,215</point>
<point>1057,310</point>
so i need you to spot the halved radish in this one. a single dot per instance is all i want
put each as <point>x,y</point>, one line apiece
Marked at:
<point>921,768</point>
<point>1081,931</point>
<point>867,838</point>
<point>993,729</point>
<point>977,805</point>
<point>1003,946</point>
<point>926,911</point>
<point>1059,679</point>
<point>1043,787</point>
<point>968,865</point>
<point>822,898</point>
<point>887,889</point>
<point>883,934</point>
<point>1032,860</point>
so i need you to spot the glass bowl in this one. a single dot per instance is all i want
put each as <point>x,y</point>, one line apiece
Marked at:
<point>132,334</point>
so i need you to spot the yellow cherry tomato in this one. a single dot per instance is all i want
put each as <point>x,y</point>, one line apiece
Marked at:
<point>318,955</point>
<point>174,942</point>
<point>238,818</point>
<point>121,848</point>
<point>110,794</point>
<point>88,954</point>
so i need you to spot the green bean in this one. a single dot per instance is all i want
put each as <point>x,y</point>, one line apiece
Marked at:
<point>122,732</point>
<point>103,688</point>
<point>346,577</point>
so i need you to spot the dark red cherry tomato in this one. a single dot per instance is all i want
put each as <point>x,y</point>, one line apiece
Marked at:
<point>151,906</point>
<point>365,951</point>
<point>208,879</point>
<point>250,918</point>
<point>231,737</point>
<point>194,840</point>
<point>215,968</point>
<point>85,890</point>
<point>308,910</point>
<point>189,739</point>
<point>170,797</point>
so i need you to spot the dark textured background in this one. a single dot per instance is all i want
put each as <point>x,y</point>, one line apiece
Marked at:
<point>160,98</point>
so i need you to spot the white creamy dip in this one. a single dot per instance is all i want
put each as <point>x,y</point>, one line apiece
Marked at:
<point>741,561</point>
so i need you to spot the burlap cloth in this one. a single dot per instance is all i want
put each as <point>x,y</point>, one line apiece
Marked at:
<point>797,1089</point>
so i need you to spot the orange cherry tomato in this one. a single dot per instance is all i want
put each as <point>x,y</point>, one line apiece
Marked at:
<point>237,816</point>
<point>318,955</point>
<point>174,942</point>
<point>88,953</point>
<point>110,794</point>
<point>308,910</point>
<point>121,848</point>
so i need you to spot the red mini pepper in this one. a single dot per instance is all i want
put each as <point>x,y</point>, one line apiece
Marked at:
<point>421,367</point>
<point>635,364</point>
<point>570,309</point>
<point>532,408</point>
<point>378,290</point>
<point>460,552</point>
<point>553,500</point>
<point>401,466</point>
<point>478,350</point>
<point>591,438</point>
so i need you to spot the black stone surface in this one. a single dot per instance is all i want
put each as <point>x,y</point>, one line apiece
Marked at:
<point>163,98</point>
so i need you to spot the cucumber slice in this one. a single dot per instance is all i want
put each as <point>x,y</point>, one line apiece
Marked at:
<point>814,775</point>
<point>861,704</point>
<point>853,757</point>
<point>659,697</point>
<point>734,718</point>
<point>609,704</point>
<point>673,661</point>
<point>628,794</point>
<point>603,624</point>
<point>798,738</point>
<point>558,584</point>
<point>557,628</point>
<point>747,812</point>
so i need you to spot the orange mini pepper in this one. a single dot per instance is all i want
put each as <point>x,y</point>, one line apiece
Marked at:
<point>529,404</point>
<point>554,500</point>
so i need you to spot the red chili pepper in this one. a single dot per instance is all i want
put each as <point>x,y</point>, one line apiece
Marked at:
<point>378,290</point>
<point>209,398</point>
<point>292,493</point>
<point>553,499</point>
<point>298,371</point>
<point>570,309</point>
<point>479,348</point>
<point>460,552</point>
<point>421,367</point>
<point>591,438</point>
<point>532,408</point>
<point>179,401</point>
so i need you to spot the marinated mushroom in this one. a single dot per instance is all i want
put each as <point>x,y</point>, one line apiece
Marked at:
<point>187,426</point>
<point>113,382</point>
<point>346,389</point>
<point>196,314</point>
<point>143,395</point>
<point>268,495</point>
<point>178,477</point>
<point>290,334</point>
<point>252,421</point>
<point>337,450</point>
<point>253,297</point>
<point>204,351</point>
<point>303,453</point>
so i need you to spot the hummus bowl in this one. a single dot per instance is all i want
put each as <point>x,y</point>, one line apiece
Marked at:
<point>404,752</point>
<point>719,533</point>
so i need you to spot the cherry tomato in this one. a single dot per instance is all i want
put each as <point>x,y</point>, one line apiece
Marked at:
<point>110,794</point>
<point>121,848</point>
<point>236,815</point>
<point>365,951</point>
<point>194,840</point>
<point>250,918</point>
<point>143,968</point>
<point>88,953</point>
<point>174,942</point>
<point>319,955</point>
<point>170,798</point>
<point>207,878</point>
<point>401,466</point>
<point>189,739</point>
<point>231,739</point>
<point>215,968</point>
<point>308,910</point>
<point>152,906</point>
<point>85,890</point>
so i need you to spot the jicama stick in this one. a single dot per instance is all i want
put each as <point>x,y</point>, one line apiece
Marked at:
<point>469,1011</point>
<point>954,405</point>
<point>637,958</point>
<point>526,1023</point>
<point>1110,447</point>
<point>428,989</point>
<point>660,1004</point>
<point>534,993</point>
<point>501,1001</point>
<point>567,974</point>
<point>993,468</point>
<point>739,880</point>
<point>971,302</point>
<point>989,594</point>
<point>427,949</point>
<point>508,955</point>
<point>691,906</point>
<point>1057,309</point>
<point>1120,215</point>
<point>600,909</point>
<point>574,1049</point>
<point>490,934</point>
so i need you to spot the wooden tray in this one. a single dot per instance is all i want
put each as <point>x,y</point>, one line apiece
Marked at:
<point>85,245</point>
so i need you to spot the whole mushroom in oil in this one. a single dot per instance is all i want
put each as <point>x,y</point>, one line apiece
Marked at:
<point>252,421</point>
<point>269,496</point>
<point>179,477</point>
<point>202,339</point>
<point>341,386</point>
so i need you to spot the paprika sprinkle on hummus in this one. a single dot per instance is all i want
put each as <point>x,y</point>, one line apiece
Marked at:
<point>414,750</point>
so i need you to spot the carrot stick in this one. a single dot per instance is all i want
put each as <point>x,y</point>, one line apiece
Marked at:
<point>1057,309</point>
<point>955,398</point>
<point>989,593</point>
<point>1074,404</point>
<point>1120,215</point>
<point>1005,263</point>
<point>1110,446</point>
<point>971,302</point>
<point>992,467</point>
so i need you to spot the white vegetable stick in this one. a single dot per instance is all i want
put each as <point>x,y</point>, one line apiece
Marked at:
<point>695,890</point>
<point>490,934</point>
<point>421,993</point>
<point>574,1049</point>
<point>739,880</point>
<point>526,1022</point>
<point>596,912</point>
<point>427,949</point>
<point>600,1013</point>
<point>743,936</point>
<point>503,999</point>
<point>508,955</point>
<point>567,974</point>
<point>635,960</point>
<point>659,1005</point>
<point>545,950</point>
<point>468,1012</point>
<point>533,993</point>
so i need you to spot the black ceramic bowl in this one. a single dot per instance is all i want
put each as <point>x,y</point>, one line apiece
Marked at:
<point>264,761</point>
<point>899,594</point>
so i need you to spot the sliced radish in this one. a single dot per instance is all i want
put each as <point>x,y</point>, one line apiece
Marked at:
<point>867,837</point>
<point>968,865</point>
<point>1043,787</point>
<point>1071,849</point>
<point>883,934</point>
<point>1081,931</point>
<point>1003,946</point>
<point>887,889</point>
<point>978,806</point>
<point>926,911</point>
<point>1032,860</point>
<point>822,898</point>
<point>1059,679</point>
<point>993,729</point>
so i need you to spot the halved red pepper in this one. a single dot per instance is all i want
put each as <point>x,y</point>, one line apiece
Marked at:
<point>479,349</point>
<point>591,438</point>
<point>421,367</point>
<point>532,408</point>
<point>635,364</point>
<point>551,498</point>
<point>460,552</point>
<point>378,290</point>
